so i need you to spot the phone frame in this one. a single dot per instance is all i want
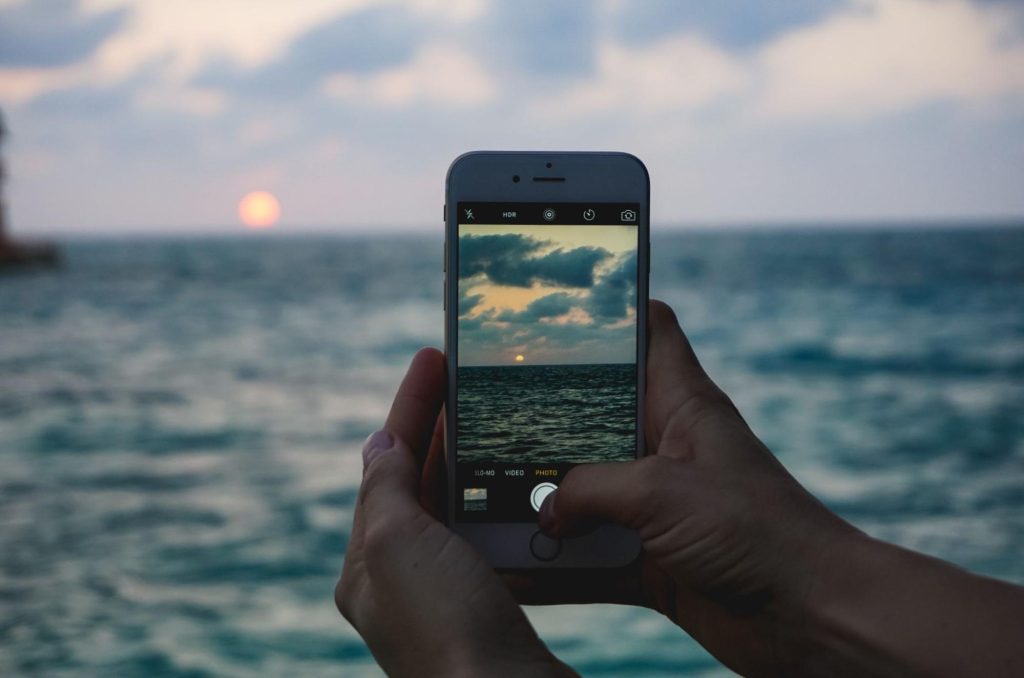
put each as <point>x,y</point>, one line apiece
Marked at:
<point>600,177</point>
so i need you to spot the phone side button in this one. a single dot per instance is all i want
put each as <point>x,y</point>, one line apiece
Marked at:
<point>544,547</point>
<point>444,291</point>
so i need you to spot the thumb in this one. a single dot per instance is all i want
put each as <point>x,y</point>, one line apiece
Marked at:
<point>622,492</point>
<point>675,379</point>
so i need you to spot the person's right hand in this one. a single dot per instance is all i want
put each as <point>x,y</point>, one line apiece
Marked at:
<point>731,540</point>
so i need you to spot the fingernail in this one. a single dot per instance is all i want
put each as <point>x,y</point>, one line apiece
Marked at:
<point>376,443</point>
<point>546,515</point>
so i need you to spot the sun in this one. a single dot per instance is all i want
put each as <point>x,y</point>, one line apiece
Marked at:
<point>259,209</point>
<point>520,358</point>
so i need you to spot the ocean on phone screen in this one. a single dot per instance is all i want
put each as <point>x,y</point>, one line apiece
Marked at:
<point>547,413</point>
<point>181,420</point>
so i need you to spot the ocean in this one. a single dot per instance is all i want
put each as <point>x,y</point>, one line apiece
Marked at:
<point>181,419</point>
<point>526,414</point>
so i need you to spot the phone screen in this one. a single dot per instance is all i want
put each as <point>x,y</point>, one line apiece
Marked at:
<point>547,349</point>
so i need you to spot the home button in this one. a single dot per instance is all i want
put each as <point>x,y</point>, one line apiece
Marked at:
<point>544,547</point>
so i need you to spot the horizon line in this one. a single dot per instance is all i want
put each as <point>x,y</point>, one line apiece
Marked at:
<point>374,230</point>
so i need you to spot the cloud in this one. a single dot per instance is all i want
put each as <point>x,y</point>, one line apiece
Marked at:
<point>196,33</point>
<point>615,292</point>
<point>879,57</point>
<point>484,341</point>
<point>467,302</point>
<point>542,39</point>
<point>549,306</point>
<point>744,112</point>
<point>50,33</point>
<point>588,321</point>
<point>733,24</point>
<point>681,73</point>
<point>510,259</point>
<point>589,325</point>
<point>440,74</point>
<point>864,59</point>
<point>362,42</point>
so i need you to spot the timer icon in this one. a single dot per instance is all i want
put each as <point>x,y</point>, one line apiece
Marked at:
<point>589,214</point>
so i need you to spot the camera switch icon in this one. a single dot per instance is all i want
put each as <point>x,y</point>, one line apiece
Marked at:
<point>628,216</point>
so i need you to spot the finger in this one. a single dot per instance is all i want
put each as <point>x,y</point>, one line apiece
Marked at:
<point>390,480</point>
<point>623,492</point>
<point>377,444</point>
<point>434,481</point>
<point>413,413</point>
<point>387,499</point>
<point>418,401</point>
<point>674,375</point>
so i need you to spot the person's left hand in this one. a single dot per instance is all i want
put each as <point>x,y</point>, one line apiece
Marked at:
<point>423,599</point>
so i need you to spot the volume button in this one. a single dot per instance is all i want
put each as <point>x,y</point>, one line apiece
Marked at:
<point>444,292</point>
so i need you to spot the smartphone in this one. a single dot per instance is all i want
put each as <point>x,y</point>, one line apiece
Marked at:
<point>546,276</point>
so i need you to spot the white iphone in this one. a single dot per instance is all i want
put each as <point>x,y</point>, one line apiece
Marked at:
<point>546,263</point>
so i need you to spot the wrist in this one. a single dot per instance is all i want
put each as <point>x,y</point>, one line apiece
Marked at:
<point>832,631</point>
<point>807,615</point>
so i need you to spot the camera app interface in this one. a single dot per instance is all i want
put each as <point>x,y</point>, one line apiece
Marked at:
<point>547,350</point>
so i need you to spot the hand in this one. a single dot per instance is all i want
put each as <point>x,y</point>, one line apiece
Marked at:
<point>425,602</point>
<point>730,538</point>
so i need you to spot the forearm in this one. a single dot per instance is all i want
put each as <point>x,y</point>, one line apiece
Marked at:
<point>878,609</point>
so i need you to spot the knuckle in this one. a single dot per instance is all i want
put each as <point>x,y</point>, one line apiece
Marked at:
<point>574,484</point>
<point>704,401</point>
<point>692,411</point>
<point>653,468</point>
<point>654,480</point>
<point>377,541</point>
<point>655,472</point>
<point>374,475</point>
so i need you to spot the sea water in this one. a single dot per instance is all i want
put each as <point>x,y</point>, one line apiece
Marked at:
<point>180,424</point>
<point>536,414</point>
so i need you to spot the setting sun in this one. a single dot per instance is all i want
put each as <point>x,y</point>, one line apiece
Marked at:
<point>520,358</point>
<point>259,209</point>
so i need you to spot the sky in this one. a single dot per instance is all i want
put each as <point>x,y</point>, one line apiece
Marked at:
<point>542,295</point>
<point>154,116</point>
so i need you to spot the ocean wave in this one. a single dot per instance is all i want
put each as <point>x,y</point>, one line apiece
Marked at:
<point>815,359</point>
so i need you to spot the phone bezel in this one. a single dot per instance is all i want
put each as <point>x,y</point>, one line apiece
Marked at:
<point>487,176</point>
